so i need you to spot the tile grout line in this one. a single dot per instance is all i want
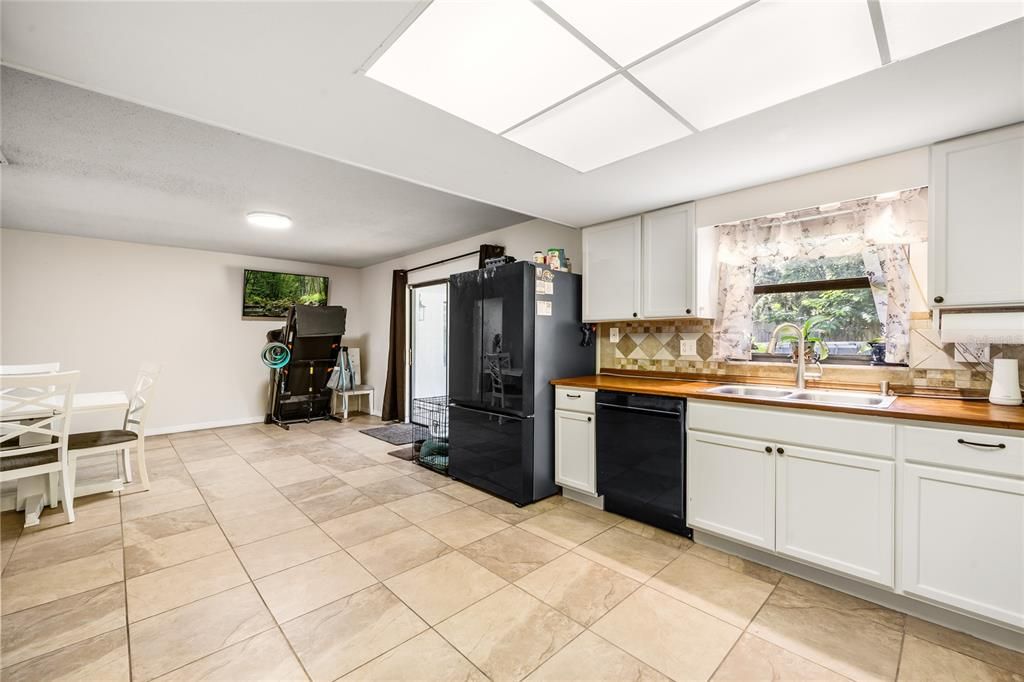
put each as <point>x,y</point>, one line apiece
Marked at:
<point>194,601</point>
<point>899,659</point>
<point>252,582</point>
<point>124,584</point>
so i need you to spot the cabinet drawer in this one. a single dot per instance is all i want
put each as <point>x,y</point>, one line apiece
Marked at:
<point>799,427</point>
<point>979,450</point>
<point>574,399</point>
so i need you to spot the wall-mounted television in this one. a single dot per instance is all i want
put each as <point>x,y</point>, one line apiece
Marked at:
<point>270,294</point>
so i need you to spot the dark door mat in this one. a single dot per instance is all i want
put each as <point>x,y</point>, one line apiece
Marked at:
<point>403,453</point>
<point>396,434</point>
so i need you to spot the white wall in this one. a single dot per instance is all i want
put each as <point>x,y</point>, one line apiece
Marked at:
<point>866,178</point>
<point>519,241</point>
<point>104,307</point>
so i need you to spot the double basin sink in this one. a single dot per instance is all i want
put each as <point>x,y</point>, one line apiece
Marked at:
<point>794,395</point>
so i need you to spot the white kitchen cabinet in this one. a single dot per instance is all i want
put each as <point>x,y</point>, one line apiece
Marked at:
<point>976,231</point>
<point>730,488</point>
<point>963,541</point>
<point>611,271</point>
<point>836,510</point>
<point>668,279</point>
<point>575,455</point>
<point>649,267</point>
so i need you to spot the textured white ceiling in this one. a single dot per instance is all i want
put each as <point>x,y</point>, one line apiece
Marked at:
<point>286,72</point>
<point>88,164</point>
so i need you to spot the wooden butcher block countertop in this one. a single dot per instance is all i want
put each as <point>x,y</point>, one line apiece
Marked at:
<point>950,411</point>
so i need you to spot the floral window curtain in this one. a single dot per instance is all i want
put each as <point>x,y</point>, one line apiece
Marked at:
<point>879,230</point>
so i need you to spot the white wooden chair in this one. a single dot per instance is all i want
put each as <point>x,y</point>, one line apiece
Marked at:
<point>132,435</point>
<point>38,368</point>
<point>35,419</point>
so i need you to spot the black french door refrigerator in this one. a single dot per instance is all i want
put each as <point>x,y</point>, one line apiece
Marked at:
<point>512,329</point>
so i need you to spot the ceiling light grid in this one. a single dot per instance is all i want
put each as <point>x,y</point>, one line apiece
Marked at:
<point>590,82</point>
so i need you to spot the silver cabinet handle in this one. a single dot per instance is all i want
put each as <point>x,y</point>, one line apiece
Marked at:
<point>997,446</point>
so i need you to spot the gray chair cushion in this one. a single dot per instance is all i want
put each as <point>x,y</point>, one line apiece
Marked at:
<point>33,459</point>
<point>95,439</point>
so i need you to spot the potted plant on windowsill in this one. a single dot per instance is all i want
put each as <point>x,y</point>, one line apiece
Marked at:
<point>815,348</point>
<point>877,347</point>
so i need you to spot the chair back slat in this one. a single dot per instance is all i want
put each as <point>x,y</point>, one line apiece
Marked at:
<point>35,412</point>
<point>142,396</point>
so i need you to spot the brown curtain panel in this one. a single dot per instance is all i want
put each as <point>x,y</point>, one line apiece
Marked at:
<point>490,251</point>
<point>394,388</point>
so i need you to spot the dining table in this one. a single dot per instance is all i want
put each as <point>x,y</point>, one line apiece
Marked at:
<point>35,492</point>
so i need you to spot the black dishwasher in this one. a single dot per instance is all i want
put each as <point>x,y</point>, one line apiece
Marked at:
<point>641,458</point>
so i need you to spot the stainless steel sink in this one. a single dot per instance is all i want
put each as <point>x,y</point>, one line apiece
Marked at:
<point>842,398</point>
<point>792,395</point>
<point>752,391</point>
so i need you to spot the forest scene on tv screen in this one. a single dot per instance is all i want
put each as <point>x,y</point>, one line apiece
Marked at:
<point>270,294</point>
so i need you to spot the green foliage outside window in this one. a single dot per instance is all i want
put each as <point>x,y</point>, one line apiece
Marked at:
<point>852,320</point>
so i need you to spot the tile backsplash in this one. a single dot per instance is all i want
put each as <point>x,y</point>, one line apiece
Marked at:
<point>655,346</point>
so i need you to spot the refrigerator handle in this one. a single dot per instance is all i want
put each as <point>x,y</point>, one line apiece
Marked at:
<point>493,414</point>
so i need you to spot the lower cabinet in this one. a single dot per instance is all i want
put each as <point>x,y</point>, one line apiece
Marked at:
<point>963,540</point>
<point>575,459</point>
<point>831,509</point>
<point>730,484</point>
<point>836,510</point>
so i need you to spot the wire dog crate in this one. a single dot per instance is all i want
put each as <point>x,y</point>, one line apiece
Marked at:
<point>430,432</point>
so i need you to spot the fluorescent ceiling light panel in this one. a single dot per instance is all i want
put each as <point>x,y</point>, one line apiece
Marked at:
<point>608,122</point>
<point>491,62</point>
<point>768,53</point>
<point>916,27</point>
<point>629,29</point>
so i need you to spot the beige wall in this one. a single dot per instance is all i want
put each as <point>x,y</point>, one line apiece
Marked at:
<point>519,241</point>
<point>104,307</point>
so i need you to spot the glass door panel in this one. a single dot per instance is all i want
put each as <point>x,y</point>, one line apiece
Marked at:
<point>428,374</point>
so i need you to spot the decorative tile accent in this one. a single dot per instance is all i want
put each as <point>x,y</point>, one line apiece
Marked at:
<point>643,347</point>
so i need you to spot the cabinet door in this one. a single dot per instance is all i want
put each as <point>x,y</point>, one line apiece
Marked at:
<point>574,451</point>
<point>668,275</point>
<point>976,242</point>
<point>963,541</point>
<point>836,510</point>
<point>730,488</point>
<point>611,270</point>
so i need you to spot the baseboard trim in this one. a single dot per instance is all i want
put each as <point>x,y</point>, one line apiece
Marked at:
<point>199,426</point>
<point>953,620</point>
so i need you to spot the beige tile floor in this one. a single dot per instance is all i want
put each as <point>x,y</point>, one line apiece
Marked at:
<point>261,554</point>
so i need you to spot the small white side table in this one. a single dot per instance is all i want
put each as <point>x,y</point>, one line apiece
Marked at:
<point>359,390</point>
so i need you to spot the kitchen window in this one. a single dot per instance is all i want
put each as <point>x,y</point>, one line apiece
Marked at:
<point>848,262</point>
<point>837,289</point>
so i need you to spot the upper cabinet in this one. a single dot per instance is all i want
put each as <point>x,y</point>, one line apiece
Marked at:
<point>611,271</point>
<point>668,243</point>
<point>976,240</point>
<point>647,267</point>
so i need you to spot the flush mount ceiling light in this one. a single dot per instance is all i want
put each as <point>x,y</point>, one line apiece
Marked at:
<point>915,27</point>
<point>273,221</point>
<point>589,82</point>
<point>608,122</point>
<point>490,62</point>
